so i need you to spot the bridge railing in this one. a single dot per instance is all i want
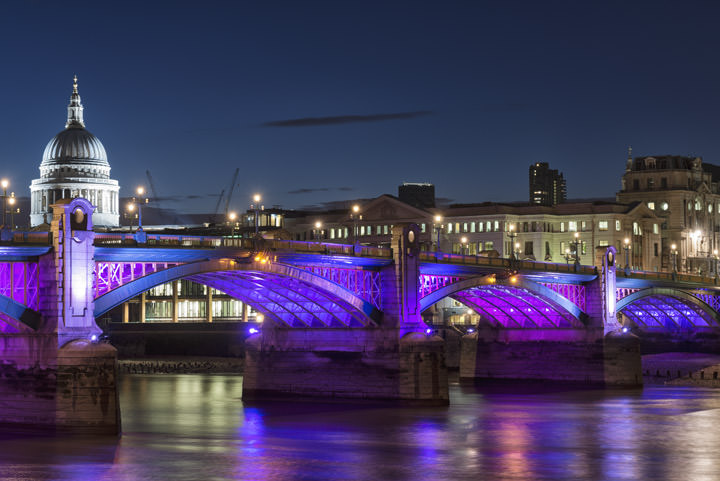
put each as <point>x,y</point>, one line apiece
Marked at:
<point>505,263</point>
<point>129,239</point>
<point>668,276</point>
<point>23,237</point>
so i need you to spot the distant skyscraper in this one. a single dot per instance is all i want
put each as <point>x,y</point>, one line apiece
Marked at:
<point>417,195</point>
<point>547,186</point>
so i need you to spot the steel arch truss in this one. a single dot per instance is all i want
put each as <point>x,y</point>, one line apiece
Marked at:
<point>17,318</point>
<point>668,309</point>
<point>111,275</point>
<point>286,294</point>
<point>430,283</point>
<point>516,307</point>
<point>363,283</point>
<point>574,293</point>
<point>284,300</point>
<point>19,281</point>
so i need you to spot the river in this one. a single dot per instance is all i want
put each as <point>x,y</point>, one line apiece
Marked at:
<point>195,427</point>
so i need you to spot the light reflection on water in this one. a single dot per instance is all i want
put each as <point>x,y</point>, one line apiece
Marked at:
<point>195,427</point>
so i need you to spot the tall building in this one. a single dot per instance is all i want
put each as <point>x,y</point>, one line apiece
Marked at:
<point>417,195</point>
<point>75,164</point>
<point>547,186</point>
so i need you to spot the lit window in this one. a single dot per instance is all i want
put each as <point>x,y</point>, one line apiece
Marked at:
<point>562,226</point>
<point>651,205</point>
<point>489,245</point>
<point>385,229</point>
<point>572,226</point>
<point>603,225</point>
<point>332,232</point>
<point>465,227</point>
<point>457,226</point>
<point>698,204</point>
<point>583,226</point>
<point>449,228</point>
<point>378,229</point>
<point>496,226</point>
<point>656,229</point>
<point>637,230</point>
<point>603,243</point>
<point>664,206</point>
<point>480,226</point>
<point>618,227</point>
<point>422,227</point>
<point>488,226</point>
<point>472,226</point>
<point>710,208</point>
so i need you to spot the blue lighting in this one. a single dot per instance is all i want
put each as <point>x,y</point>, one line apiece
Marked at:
<point>470,330</point>
<point>252,330</point>
<point>93,338</point>
<point>625,329</point>
<point>428,331</point>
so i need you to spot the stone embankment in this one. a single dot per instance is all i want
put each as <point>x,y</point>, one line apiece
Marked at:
<point>182,365</point>
<point>682,369</point>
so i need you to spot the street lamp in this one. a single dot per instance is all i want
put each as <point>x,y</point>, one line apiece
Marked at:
<point>318,230</point>
<point>355,216</point>
<point>438,228</point>
<point>140,193</point>
<point>576,243</point>
<point>715,262</point>
<point>517,251</point>
<point>256,199</point>
<point>463,244</point>
<point>4,183</point>
<point>11,201</point>
<point>512,235</point>
<point>673,256</point>
<point>131,209</point>
<point>567,256</point>
<point>231,217</point>
<point>627,247</point>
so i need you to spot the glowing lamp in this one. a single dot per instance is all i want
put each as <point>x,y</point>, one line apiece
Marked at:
<point>252,330</point>
<point>93,338</point>
<point>428,331</point>
<point>624,329</point>
<point>470,330</point>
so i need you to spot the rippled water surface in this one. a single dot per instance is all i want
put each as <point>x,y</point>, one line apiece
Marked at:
<point>195,427</point>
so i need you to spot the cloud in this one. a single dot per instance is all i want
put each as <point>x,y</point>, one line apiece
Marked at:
<point>319,189</point>
<point>345,119</point>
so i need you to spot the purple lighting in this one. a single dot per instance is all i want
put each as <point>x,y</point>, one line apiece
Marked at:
<point>252,330</point>
<point>667,312</point>
<point>428,331</point>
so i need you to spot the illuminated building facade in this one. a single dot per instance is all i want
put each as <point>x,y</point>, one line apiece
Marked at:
<point>74,165</point>
<point>547,186</point>
<point>684,193</point>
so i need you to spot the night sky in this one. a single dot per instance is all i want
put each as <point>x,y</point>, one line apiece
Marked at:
<point>324,101</point>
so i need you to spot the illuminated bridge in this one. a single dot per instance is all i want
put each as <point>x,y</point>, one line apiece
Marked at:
<point>339,320</point>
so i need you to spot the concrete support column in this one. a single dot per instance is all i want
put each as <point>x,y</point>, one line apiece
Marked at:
<point>209,308</point>
<point>175,301</point>
<point>142,307</point>
<point>244,312</point>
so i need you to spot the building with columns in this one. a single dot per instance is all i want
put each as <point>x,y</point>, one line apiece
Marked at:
<point>74,165</point>
<point>684,193</point>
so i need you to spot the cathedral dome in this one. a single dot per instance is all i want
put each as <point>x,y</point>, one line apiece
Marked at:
<point>75,145</point>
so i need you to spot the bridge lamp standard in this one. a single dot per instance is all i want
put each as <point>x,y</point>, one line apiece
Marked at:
<point>131,209</point>
<point>4,183</point>
<point>464,245</point>
<point>512,234</point>
<point>232,216</point>
<point>256,199</point>
<point>355,216</point>
<point>567,256</point>
<point>438,226</point>
<point>576,243</point>
<point>627,247</point>
<point>673,257</point>
<point>517,250</point>
<point>715,262</point>
<point>317,231</point>
<point>11,201</point>
<point>140,193</point>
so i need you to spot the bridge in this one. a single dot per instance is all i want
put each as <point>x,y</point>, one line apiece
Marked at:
<point>339,320</point>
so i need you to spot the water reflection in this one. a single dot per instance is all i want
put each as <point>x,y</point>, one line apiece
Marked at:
<point>189,427</point>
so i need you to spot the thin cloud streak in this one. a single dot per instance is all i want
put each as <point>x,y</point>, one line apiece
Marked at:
<point>346,119</point>
<point>319,189</point>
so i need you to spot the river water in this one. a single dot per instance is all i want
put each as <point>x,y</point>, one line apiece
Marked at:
<point>195,427</point>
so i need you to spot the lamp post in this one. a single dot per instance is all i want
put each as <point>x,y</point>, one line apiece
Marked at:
<point>627,247</point>
<point>318,230</point>
<point>517,251</point>
<point>715,262</point>
<point>232,216</point>
<point>463,244</point>
<point>131,209</point>
<point>512,235</point>
<point>437,225</point>
<point>567,256</point>
<point>140,193</point>
<point>4,183</point>
<point>576,243</point>
<point>673,257</point>
<point>256,200</point>
<point>11,201</point>
<point>355,216</point>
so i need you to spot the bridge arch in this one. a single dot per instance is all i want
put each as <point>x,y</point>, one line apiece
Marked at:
<point>667,308</point>
<point>519,302</point>
<point>16,317</point>
<point>283,294</point>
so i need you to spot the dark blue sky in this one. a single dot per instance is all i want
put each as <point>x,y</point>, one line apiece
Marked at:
<point>187,90</point>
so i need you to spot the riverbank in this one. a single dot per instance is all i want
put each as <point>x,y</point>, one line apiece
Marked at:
<point>682,369</point>
<point>182,365</point>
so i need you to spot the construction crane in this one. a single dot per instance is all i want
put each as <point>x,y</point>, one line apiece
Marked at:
<point>217,206</point>
<point>156,199</point>
<point>230,193</point>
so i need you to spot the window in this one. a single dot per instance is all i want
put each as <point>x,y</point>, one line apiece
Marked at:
<point>689,205</point>
<point>449,228</point>
<point>603,225</point>
<point>698,204</point>
<point>583,249</point>
<point>422,228</point>
<point>488,226</point>
<point>656,249</point>
<point>572,226</point>
<point>583,226</point>
<point>562,226</point>
<point>603,243</point>
<point>618,226</point>
<point>563,249</point>
<point>496,226</point>
<point>332,232</point>
<point>548,256</point>
<point>663,182</point>
<point>472,226</point>
<point>528,248</point>
<point>465,226</point>
<point>480,226</point>
<point>651,183</point>
<point>664,206</point>
<point>656,230</point>
<point>489,246</point>
<point>637,230</point>
<point>651,205</point>
<point>385,229</point>
<point>710,208</point>
<point>457,226</point>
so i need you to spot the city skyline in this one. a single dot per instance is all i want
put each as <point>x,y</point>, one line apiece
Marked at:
<point>327,102</point>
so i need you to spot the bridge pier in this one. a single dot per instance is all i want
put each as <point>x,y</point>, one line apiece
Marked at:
<point>56,376</point>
